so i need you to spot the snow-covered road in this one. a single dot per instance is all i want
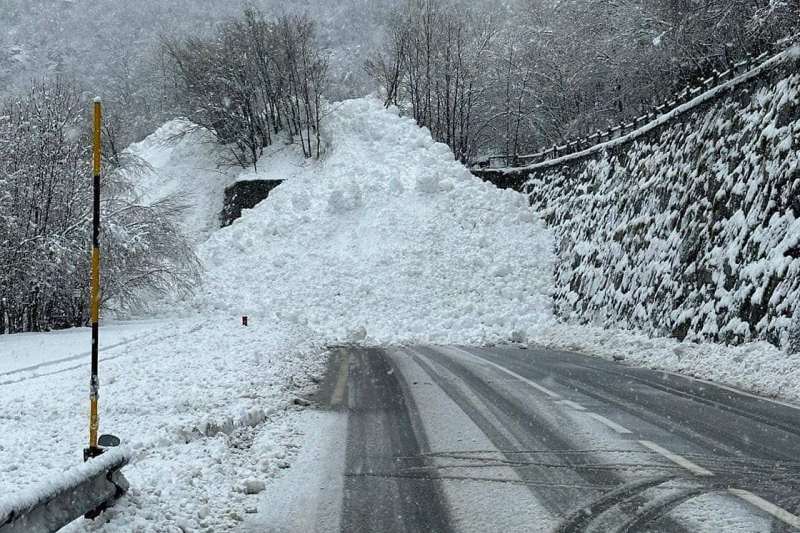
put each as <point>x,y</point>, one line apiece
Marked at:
<point>502,439</point>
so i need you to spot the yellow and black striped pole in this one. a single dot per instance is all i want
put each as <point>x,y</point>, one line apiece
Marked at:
<point>94,386</point>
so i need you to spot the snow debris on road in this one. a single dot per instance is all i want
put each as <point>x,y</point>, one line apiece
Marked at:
<point>386,240</point>
<point>756,367</point>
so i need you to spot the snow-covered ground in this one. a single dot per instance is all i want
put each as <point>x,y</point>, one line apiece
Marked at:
<point>27,353</point>
<point>204,408</point>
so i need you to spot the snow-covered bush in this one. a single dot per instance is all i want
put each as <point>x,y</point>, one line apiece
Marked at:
<point>693,230</point>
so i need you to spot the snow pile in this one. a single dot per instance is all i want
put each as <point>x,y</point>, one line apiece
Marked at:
<point>386,240</point>
<point>280,161</point>
<point>757,367</point>
<point>185,161</point>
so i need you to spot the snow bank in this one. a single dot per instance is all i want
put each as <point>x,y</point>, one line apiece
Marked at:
<point>386,240</point>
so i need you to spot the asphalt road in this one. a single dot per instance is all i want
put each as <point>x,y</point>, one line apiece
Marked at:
<point>505,439</point>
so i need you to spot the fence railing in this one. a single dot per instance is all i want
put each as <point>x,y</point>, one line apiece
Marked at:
<point>572,146</point>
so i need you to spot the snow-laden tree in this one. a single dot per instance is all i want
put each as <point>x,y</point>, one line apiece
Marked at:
<point>435,63</point>
<point>46,211</point>
<point>599,62</point>
<point>560,69</point>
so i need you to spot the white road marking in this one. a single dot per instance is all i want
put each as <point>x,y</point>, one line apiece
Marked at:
<point>536,386</point>
<point>677,459</point>
<point>622,430</point>
<point>766,506</point>
<point>450,430</point>
<point>576,406</point>
<point>781,514</point>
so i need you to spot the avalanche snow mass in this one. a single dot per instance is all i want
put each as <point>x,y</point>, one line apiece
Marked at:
<point>385,240</point>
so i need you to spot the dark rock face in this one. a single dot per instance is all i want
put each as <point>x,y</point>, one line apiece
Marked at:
<point>244,195</point>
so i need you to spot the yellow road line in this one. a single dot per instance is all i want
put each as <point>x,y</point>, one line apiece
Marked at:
<point>341,381</point>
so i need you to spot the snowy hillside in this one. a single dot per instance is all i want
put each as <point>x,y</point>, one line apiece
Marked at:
<point>387,239</point>
<point>184,161</point>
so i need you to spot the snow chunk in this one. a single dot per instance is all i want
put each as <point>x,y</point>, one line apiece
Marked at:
<point>348,199</point>
<point>253,486</point>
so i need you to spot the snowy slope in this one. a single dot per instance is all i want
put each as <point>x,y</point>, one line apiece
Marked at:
<point>185,160</point>
<point>386,240</point>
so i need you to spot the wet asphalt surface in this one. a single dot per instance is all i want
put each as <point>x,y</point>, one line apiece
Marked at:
<point>509,439</point>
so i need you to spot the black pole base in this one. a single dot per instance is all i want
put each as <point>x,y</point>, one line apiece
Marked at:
<point>92,452</point>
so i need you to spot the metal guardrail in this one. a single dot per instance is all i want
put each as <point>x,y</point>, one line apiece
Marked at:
<point>624,128</point>
<point>85,490</point>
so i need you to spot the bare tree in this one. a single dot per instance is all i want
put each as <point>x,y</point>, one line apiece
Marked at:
<point>434,62</point>
<point>563,70</point>
<point>253,79</point>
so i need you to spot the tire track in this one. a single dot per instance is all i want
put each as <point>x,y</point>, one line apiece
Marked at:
<point>539,435</point>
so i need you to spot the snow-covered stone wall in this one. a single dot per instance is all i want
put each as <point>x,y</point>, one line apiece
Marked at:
<point>692,230</point>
